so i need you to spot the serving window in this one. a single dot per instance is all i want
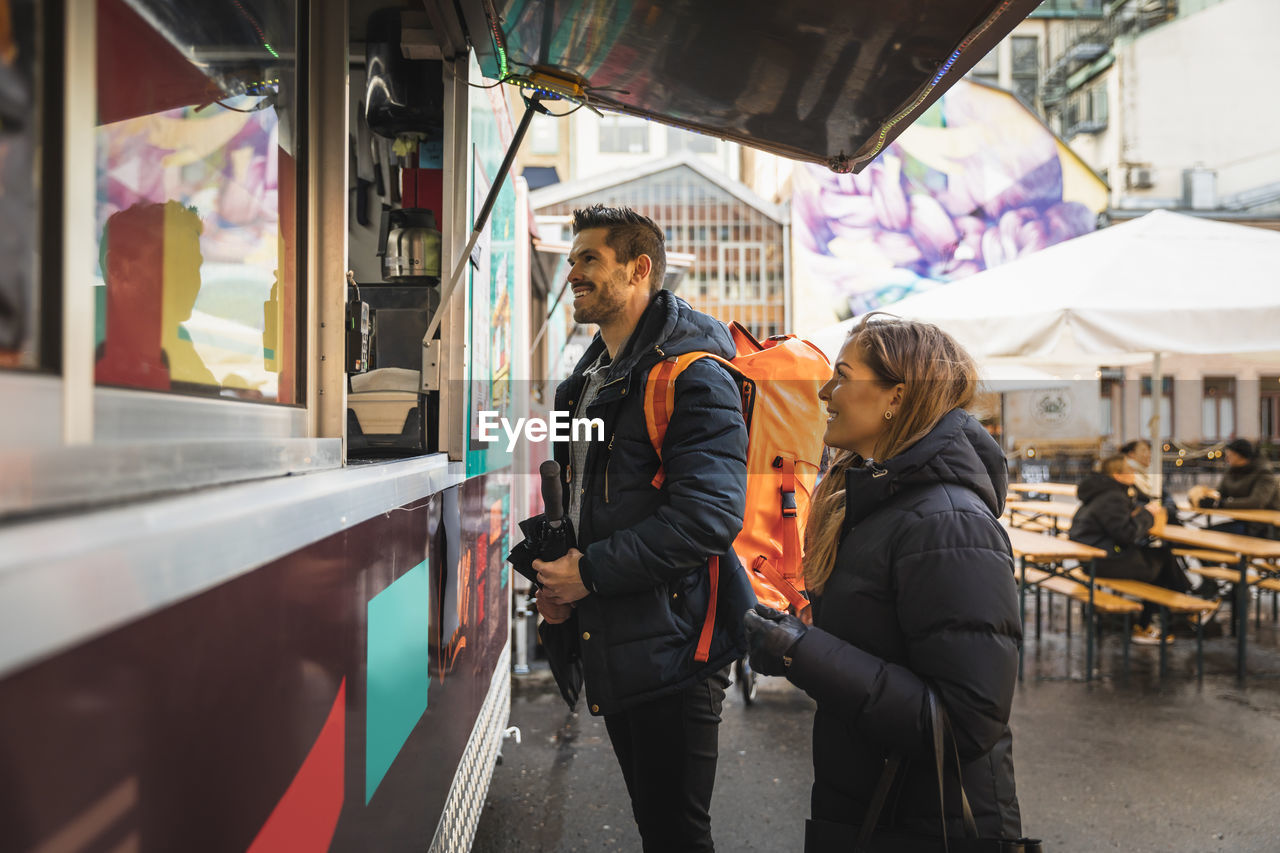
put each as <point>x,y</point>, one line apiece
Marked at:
<point>196,288</point>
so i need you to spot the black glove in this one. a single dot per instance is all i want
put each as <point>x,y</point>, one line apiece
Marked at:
<point>772,636</point>
<point>1208,502</point>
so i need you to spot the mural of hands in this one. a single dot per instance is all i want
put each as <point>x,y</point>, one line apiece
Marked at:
<point>976,183</point>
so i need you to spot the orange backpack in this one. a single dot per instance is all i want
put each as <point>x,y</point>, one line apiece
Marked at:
<point>779,380</point>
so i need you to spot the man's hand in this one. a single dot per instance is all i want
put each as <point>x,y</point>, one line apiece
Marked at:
<point>561,578</point>
<point>772,636</point>
<point>553,612</point>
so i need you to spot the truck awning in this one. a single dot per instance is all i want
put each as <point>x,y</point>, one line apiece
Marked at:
<point>817,80</point>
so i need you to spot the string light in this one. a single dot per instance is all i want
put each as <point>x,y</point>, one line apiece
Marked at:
<point>884,131</point>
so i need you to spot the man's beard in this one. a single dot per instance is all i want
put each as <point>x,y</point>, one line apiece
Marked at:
<point>607,302</point>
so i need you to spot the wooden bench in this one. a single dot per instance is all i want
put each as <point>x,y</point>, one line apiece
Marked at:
<point>1216,565</point>
<point>1214,557</point>
<point>1168,601</point>
<point>1103,603</point>
<point>1233,576</point>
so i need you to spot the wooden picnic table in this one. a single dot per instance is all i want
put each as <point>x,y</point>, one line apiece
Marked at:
<point>1061,489</point>
<point>1051,551</point>
<point>1035,510</point>
<point>1037,547</point>
<point>1245,548</point>
<point>1261,516</point>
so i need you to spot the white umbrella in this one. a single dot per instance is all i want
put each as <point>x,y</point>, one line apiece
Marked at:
<point>1163,283</point>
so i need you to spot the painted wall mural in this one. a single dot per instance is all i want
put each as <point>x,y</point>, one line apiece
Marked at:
<point>977,181</point>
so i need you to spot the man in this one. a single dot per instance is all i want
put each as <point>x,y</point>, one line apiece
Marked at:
<point>1137,455</point>
<point>636,596</point>
<point>1249,483</point>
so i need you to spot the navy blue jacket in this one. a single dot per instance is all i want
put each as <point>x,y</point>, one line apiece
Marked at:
<point>922,593</point>
<point>645,550</point>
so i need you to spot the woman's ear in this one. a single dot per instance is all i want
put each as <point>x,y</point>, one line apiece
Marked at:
<point>898,391</point>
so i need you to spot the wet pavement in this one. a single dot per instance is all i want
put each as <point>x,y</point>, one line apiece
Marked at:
<point>1141,763</point>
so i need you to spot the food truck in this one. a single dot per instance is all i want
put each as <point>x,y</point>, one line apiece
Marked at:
<point>264,268</point>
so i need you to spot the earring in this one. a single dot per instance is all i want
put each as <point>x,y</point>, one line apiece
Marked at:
<point>888,415</point>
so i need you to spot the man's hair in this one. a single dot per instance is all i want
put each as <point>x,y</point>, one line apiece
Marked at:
<point>1112,465</point>
<point>1130,446</point>
<point>630,235</point>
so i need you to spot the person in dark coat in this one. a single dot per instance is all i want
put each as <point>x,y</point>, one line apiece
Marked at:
<point>1114,519</point>
<point>636,600</point>
<point>1249,483</point>
<point>913,588</point>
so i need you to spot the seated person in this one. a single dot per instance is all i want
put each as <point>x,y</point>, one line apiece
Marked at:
<point>1249,483</point>
<point>1111,519</point>
<point>1137,455</point>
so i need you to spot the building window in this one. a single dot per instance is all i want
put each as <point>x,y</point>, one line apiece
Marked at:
<point>1109,391</point>
<point>624,135</point>
<point>683,140</point>
<point>1086,110</point>
<point>196,286</point>
<point>544,135</point>
<point>987,69</point>
<point>1166,407</point>
<point>1269,408</point>
<point>1026,68</point>
<point>1218,408</point>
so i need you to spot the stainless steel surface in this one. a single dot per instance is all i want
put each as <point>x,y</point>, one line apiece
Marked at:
<point>814,80</point>
<point>65,580</point>
<point>89,475</point>
<point>34,404</point>
<point>413,248</point>
<point>122,415</point>
<point>326,232</point>
<point>79,239</point>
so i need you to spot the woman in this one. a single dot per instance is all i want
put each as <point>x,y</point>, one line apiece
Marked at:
<point>912,583</point>
<point>1111,519</point>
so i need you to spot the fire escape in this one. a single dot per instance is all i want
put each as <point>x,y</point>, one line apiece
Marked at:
<point>1086,43</point>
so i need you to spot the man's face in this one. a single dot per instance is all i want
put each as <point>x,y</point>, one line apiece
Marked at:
<point>1142,455</point>
<point>601,285</point>
<point>1235,460</point>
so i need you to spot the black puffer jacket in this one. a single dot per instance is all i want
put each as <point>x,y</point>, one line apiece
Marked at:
<point>1108,518</point>
<point>1249,486</point>
<point>646,549</point>
<point>922,593</point>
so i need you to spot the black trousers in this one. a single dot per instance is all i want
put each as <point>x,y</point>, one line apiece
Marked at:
<point>667,749</point>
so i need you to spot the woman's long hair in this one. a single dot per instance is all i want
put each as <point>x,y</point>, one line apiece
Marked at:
<point>937,376</point>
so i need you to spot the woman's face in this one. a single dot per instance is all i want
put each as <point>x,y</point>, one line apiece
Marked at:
<point>856,405</point>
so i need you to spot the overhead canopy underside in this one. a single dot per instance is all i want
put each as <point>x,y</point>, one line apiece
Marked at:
<point>829,82</point>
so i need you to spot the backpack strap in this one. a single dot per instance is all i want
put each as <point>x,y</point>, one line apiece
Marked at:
<point>660,401</point>
<point>703,653</point>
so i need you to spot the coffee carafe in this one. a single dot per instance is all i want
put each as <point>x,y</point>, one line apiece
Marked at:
<point>409,245</point>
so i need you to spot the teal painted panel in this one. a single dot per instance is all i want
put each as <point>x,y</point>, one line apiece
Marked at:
<point>399,671</point>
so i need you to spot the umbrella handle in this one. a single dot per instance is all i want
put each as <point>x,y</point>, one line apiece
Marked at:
<point>552,496</point>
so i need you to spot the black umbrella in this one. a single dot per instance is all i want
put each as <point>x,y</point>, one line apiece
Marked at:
<point>549,536</point>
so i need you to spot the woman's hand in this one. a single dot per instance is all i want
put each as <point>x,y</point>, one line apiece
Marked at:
<point>772,636</point>
<point>1160,517</point>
